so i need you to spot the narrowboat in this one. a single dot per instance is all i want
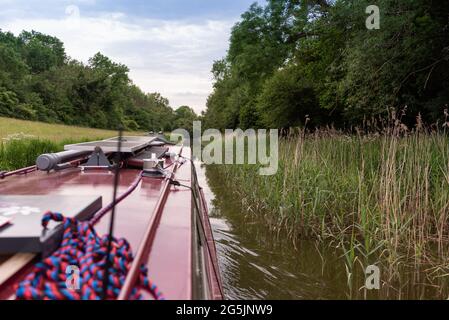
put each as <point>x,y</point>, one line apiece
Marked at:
<point>111,217</point>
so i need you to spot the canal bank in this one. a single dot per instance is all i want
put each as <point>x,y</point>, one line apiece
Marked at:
<point>259,263</point>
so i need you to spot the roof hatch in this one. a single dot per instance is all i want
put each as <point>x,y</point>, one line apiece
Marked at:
<point>24,232</point>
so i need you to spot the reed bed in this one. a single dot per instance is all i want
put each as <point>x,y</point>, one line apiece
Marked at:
<point>381,197</point>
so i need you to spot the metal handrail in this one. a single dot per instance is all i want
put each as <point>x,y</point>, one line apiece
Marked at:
<point>149,236</point>
<point>198,196</point>
<point>30,169</point>
<point>19,171</point>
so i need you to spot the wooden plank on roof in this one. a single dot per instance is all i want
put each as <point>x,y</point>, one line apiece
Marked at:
<point>10,266</point>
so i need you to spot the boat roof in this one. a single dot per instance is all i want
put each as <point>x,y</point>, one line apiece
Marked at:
<point>170,259</point>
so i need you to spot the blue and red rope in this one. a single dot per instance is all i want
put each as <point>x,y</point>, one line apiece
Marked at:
<point>83,248</point>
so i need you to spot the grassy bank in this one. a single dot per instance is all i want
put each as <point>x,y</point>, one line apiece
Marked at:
<point>382,198</point>
<point>53,132</point>
<point>21,142</point>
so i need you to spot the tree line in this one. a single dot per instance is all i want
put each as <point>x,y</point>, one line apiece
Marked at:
<point>292,62</point>
<point>38,81</point>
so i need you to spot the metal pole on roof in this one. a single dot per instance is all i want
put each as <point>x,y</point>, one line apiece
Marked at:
<point>111,223</point>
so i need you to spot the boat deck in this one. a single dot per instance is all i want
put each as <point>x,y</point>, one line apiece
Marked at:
<point>170,259</point>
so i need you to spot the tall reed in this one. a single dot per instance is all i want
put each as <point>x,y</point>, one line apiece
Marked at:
<point>382,197</point>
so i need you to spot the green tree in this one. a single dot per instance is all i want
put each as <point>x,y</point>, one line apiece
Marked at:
<point>39,82</point>
<point>184,118</point>
<point>41,52</point>
<point>292,58</point>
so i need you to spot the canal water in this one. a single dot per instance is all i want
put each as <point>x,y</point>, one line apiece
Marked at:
<point>257,263</point>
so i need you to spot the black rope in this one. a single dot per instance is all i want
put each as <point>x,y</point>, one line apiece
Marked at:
<point>118,158</point>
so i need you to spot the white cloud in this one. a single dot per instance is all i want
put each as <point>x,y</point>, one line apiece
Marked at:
<point>171,57</point>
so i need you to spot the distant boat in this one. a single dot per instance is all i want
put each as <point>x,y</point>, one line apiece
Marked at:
<point>160,210</point>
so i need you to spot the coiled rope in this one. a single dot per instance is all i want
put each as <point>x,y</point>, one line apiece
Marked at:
<point>83,248</point>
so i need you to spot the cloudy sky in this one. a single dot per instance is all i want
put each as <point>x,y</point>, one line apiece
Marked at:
<point>169,45</point>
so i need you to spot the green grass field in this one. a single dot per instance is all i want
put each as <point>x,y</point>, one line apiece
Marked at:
<point>52,132</point>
